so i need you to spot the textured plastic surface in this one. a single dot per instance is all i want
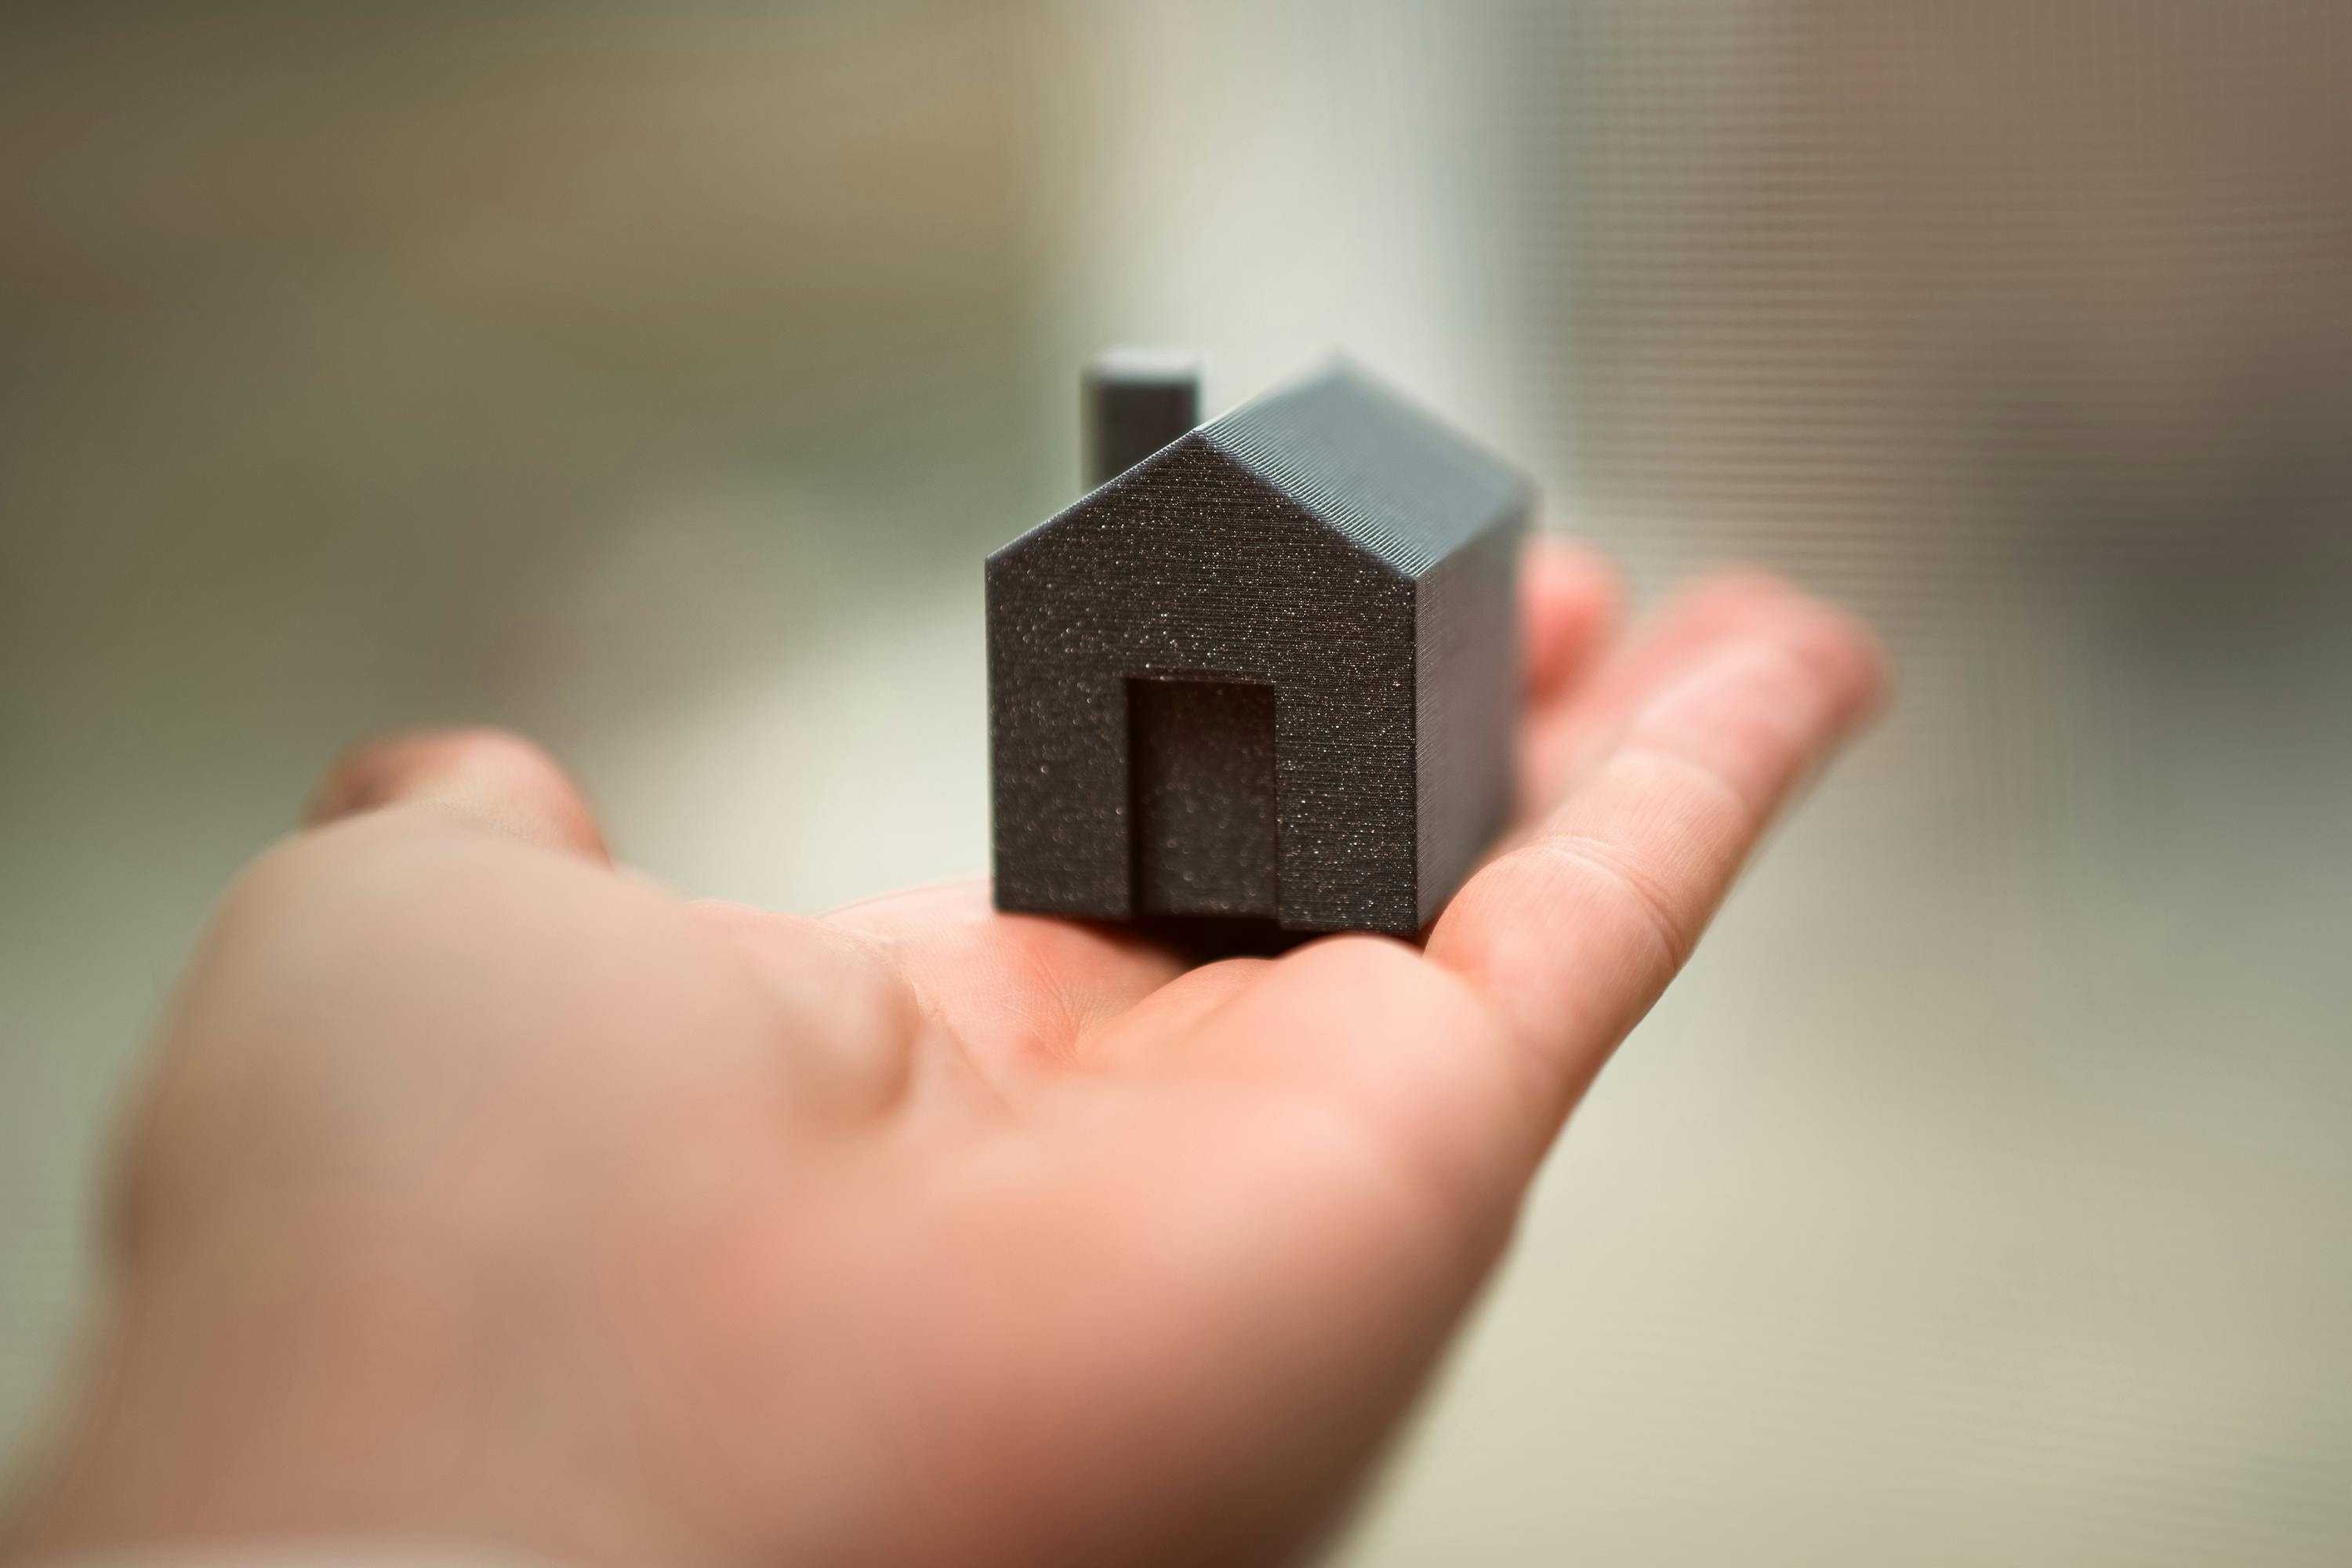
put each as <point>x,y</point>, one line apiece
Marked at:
<point>1200,772</point>
<point>1270,672</point>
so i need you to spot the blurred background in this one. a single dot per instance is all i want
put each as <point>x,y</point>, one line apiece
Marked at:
<point>653,380</point>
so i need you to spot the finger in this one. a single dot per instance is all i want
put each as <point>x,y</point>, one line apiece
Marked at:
<point>1362,1029</point>
<point>1567,608</point>
<point>1573,935</point>
<point>488,775</point>
<point>1574,727</point>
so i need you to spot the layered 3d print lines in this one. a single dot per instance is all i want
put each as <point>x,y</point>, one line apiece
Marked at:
<point>1266,671</point>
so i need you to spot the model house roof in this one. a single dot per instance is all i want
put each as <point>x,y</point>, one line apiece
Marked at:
<point>1390,479</point>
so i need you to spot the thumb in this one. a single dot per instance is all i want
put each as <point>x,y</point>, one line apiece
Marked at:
<point>490,777</point>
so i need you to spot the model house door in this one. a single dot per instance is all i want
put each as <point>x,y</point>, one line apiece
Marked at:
<point>1200,761</point>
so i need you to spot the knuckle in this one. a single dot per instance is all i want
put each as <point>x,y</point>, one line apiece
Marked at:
<point>1597,873</point>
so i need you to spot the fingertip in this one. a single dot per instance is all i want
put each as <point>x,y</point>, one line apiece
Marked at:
<point>1569,597</point>
<point>1743,601</point>
<point>1875,678</point>
<point>1842,650</point>
<point>489,776</point>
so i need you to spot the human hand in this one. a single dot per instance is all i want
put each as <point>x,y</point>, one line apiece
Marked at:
<point>484,1191</point>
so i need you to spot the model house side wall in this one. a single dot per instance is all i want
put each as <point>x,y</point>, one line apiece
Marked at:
<point>1190,567</point>
<point>1467,708</point>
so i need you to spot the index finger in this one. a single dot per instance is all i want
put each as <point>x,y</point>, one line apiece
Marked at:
<point>1573,935</point>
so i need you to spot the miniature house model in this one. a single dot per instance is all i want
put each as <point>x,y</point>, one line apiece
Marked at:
<point>1267,669</point>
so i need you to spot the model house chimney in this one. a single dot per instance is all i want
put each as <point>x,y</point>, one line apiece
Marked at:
<point>1137,400</point>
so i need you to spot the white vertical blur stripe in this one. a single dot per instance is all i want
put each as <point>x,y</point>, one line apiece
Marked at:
<point>1274,183</point>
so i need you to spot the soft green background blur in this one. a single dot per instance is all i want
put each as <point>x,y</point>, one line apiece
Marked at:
<point>653,380</point>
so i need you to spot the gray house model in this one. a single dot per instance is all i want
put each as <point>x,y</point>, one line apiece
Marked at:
<point>1266,670</point>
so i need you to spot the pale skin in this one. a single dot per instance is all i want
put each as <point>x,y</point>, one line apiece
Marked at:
<point>481,1192</point>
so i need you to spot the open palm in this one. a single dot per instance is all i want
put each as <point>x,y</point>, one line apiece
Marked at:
<point>483,1192</point>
